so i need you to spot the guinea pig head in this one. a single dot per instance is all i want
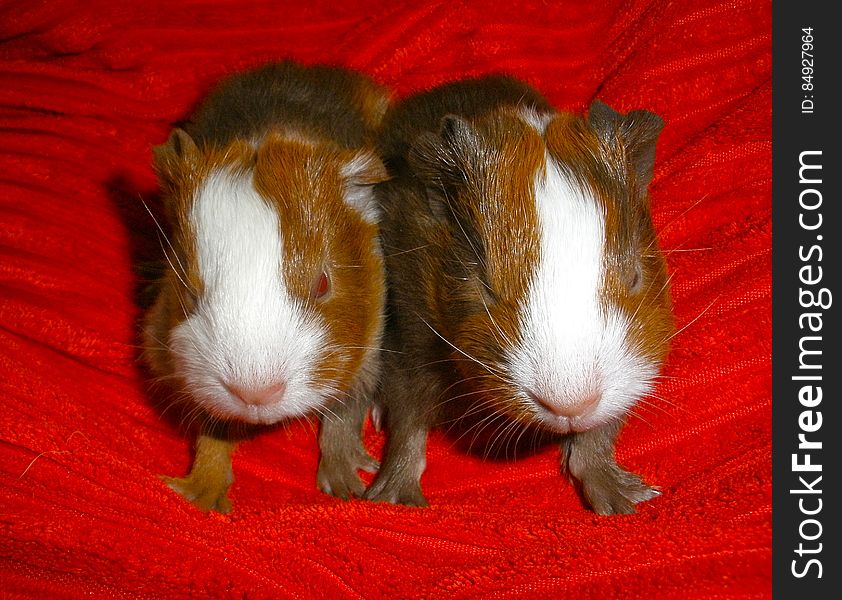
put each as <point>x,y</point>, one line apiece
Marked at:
<point>556,308</point>
<point>273,298</point>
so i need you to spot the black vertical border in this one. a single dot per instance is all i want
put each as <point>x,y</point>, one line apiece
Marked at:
<point>794,132</point>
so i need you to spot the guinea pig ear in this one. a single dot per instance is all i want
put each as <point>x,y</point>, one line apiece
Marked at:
<point>176,156</point>
<point>444,160</point>
<point>444,157</point>
<point>604,120</point>
<point>641,129</point>
<point>360,173</point>
<point>638,131</point>
<point>458,133</point>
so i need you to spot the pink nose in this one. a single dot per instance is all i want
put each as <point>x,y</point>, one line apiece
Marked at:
<point>258,396</point>
<point>579,407</point>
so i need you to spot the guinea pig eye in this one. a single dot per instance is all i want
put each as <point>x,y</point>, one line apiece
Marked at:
<point>486,293</point>
<point>322,287</point>
<point>636,279</point>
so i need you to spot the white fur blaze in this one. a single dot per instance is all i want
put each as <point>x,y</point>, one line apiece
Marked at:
<point>573,346</point>
<point>247,331</point>
<point>537,120</point>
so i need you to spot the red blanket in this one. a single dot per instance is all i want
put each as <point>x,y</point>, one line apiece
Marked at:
<point>87,87</point>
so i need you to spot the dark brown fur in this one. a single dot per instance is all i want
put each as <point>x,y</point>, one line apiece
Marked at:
<point>321,102</point>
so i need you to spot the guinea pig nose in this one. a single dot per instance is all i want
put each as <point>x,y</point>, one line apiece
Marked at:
<point>258,396</point>
<point>581,406</point>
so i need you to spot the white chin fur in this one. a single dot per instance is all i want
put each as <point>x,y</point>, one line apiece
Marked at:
<point>571,345</point>
<point>247,329</point>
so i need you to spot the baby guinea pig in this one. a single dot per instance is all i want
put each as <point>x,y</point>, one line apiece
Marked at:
<point>525,281</point>
<point>272,304</point>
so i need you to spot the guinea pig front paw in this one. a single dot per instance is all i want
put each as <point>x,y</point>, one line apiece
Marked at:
<point>203,492</point>
<point>397,489</point>
<point>614,491</point>
<point>338,476</point>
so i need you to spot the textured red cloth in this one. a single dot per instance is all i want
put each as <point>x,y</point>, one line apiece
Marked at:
<point>86,87</point>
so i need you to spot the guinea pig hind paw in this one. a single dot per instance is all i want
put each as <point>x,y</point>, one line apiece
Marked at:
<point>203,494</point>
<point>338,476</point>
<point>339,484</point>
<point>396,491</point>
<point>616,491</point>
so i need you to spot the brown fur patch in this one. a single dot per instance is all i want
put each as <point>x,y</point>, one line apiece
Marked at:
<point>490,254</point>
<point>320,231</point>
<point>501,202</point>
<point>373,102</point>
